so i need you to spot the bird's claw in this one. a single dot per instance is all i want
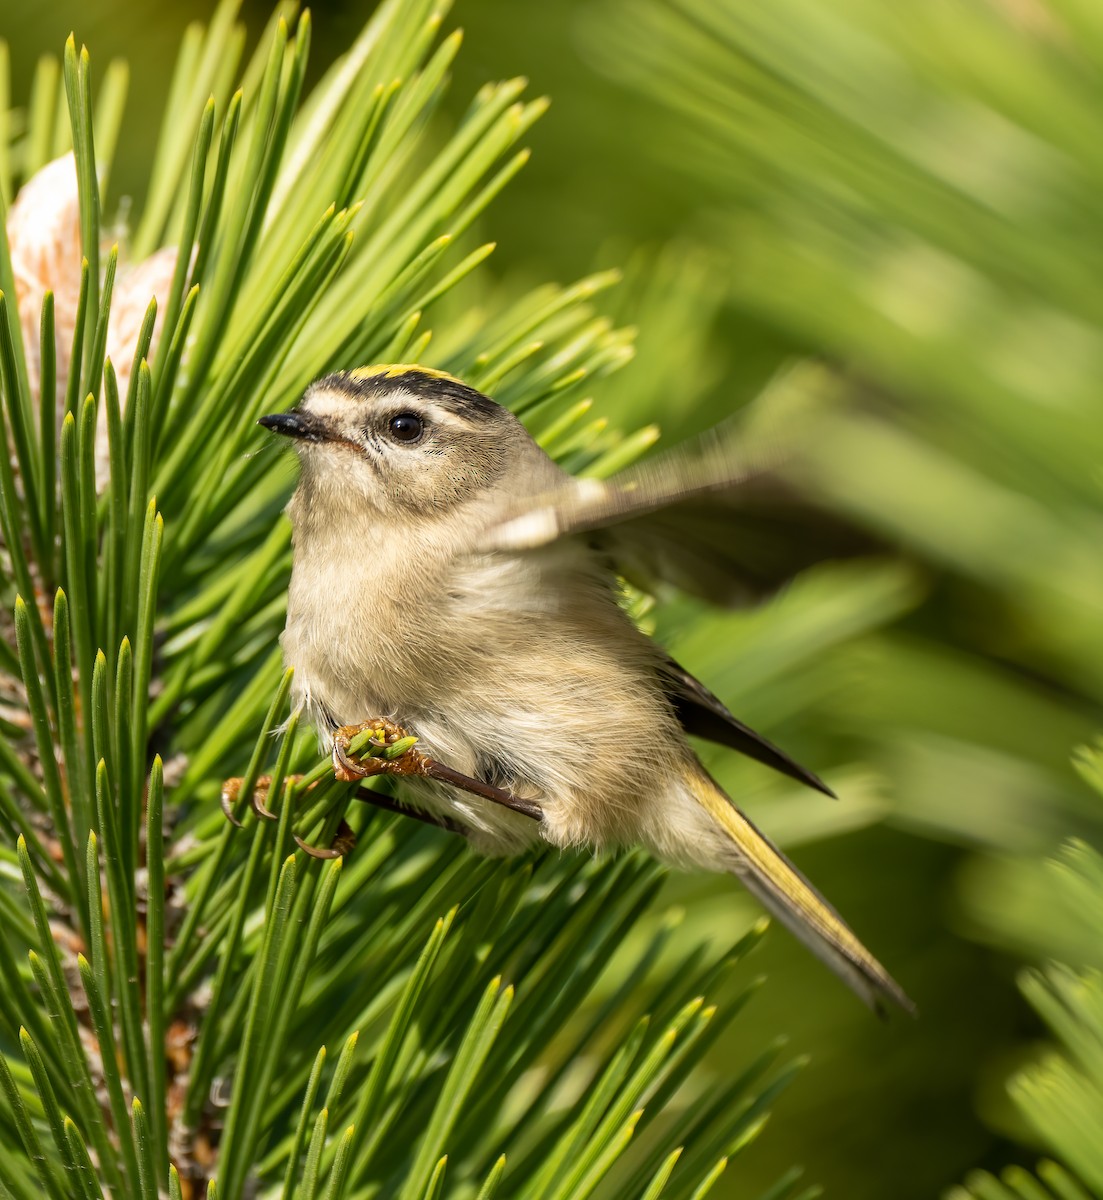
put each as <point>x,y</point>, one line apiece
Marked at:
<point>231,790</point>
<point>340,847</point>
<point>260,809</point>
<point>228,797</point>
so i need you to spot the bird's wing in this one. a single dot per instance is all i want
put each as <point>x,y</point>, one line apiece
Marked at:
<point>703,715</point>
<point>712,518</point>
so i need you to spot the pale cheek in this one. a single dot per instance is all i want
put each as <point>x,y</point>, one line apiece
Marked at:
<point>337,479</point>
<point>416,482</point>
<point>438,482</point>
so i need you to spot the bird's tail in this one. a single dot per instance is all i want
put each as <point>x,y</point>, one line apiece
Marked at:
<point>785,893</point>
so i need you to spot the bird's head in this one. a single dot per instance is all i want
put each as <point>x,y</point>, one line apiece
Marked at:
<point>404,439</point>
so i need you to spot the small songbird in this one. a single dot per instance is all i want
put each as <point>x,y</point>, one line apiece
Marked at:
<point>450,580</point>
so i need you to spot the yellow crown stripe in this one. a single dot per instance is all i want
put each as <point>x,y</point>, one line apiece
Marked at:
<point>397,370</point>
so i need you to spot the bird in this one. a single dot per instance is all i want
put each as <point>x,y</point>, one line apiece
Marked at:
<point>452,583</point>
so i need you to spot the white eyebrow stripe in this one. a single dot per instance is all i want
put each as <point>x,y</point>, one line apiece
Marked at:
<point>324,402</point>
<point>441,416</point>
<point>328,402</point>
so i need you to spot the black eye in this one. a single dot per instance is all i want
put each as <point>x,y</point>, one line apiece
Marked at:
<point>406,427</point>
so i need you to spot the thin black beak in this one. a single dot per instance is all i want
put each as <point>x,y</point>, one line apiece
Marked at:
<point>294,424</point>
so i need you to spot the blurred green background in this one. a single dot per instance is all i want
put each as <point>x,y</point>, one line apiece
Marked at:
<point>910,194</point>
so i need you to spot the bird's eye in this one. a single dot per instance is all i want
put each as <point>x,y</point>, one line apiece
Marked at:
<point>406,427</point>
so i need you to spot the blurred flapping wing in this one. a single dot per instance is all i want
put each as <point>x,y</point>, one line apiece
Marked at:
<point>715,520</point>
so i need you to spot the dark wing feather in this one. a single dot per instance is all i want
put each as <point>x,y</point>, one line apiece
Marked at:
<point>732,548</point>
<point>703,715</point>
<point>714,520</point>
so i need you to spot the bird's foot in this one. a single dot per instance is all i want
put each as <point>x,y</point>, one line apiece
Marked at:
<point>231,790</point>
<point>342,843</point>
<point>389,751</point>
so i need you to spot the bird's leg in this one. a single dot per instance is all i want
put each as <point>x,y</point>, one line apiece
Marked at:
<point>391,804</point>
<point>346,839</point>
<point>393,753</point>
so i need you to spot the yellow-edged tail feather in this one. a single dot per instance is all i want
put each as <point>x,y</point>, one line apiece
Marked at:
<point>783,891</point>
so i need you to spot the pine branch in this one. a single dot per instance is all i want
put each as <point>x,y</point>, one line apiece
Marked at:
<point>169,1029</point>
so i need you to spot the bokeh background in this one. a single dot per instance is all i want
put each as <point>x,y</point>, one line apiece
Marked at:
<point>909,194</point>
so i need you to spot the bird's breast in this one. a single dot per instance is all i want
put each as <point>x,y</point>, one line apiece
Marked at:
<point>398,627</point>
